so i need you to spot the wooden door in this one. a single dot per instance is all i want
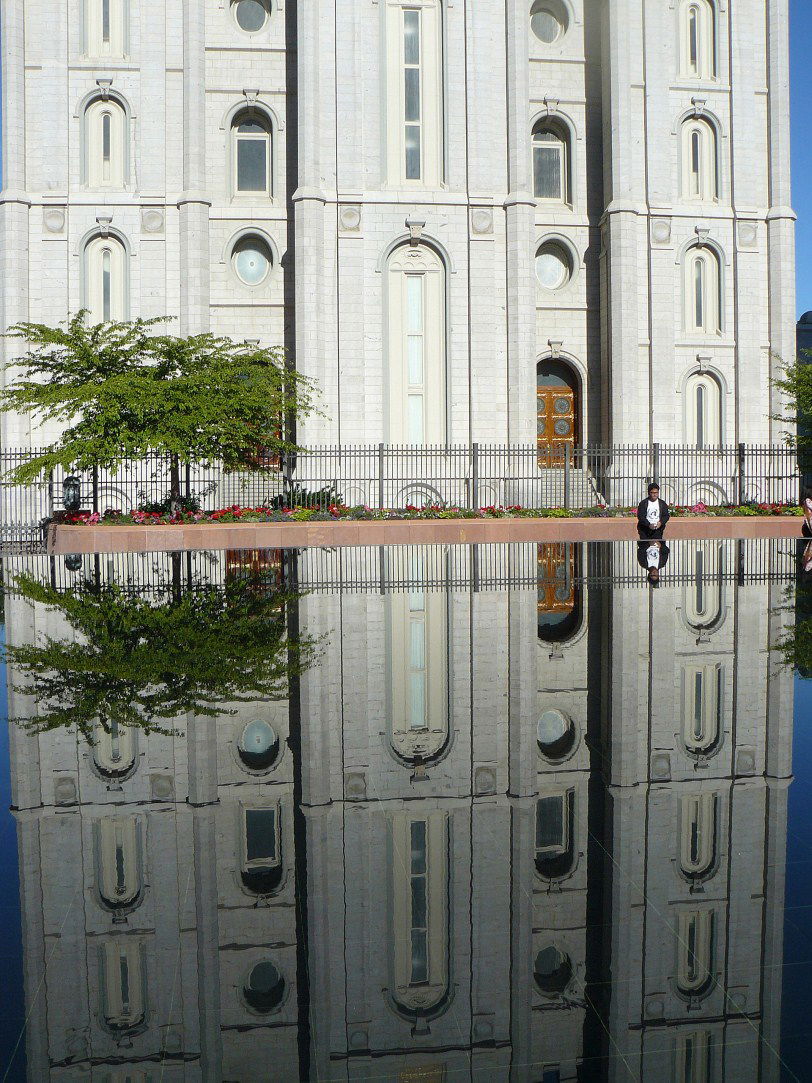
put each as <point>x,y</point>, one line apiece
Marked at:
<point>556,578</point>
<point>555,424</point>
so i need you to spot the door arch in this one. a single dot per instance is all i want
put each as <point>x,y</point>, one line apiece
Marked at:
<point>558,404</point>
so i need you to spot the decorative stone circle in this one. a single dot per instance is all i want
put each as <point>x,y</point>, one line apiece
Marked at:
<point>349,217</point>
<point>481,220</point>
<point>748,234</point>
<point>661,231</point>
<point>152,220</point>
<point>53,218</point>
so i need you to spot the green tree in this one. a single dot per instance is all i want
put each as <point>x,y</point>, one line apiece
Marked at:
<point>795,384</point>
<point>123,390</point>
<point>139,662</point>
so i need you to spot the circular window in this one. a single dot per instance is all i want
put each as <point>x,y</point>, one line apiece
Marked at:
<point>556,733</point>
<point>264,988</point>
<point>259,745</point>
<point>252,260</point>
<point>251,15</point>
<point>548,21</point>
<point>552,970</point>
<point>553,265</point>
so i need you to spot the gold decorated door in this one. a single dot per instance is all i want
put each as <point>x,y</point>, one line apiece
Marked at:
<point>555,422</point>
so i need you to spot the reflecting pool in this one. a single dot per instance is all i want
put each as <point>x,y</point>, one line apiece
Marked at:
<point>515,813</point>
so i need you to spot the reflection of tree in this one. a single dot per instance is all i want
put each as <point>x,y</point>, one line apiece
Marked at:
<point>796,644</point>
<point>136,661</point>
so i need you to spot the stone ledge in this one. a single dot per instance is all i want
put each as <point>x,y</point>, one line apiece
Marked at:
<point>153,539</point>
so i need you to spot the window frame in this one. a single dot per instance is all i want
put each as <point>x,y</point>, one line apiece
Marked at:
<point>117,45</point>
<point>93,150</point>
<point>561,140</point>
<point>257,864</point>
<point>93,291</point>
<point>703,299</point>
<point>266,121</point>
<point>704,67</point>
<point>700,185</point>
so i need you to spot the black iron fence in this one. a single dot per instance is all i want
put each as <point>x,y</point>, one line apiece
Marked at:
<point>385,476</point>
<point>551,568</point>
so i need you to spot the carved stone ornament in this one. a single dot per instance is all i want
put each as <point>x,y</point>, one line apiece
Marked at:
<point>702,233</point>
<point>152,219</point>
<point>699,106</point>
<point>748,234</point>
<point>415,227</point>
<point>104,83</point>
<point>661,230</point>
<point>53,219</point>
<point>103,221</point>
<point>555,347</point>
<point>481,221</point>
<point>349,217</point>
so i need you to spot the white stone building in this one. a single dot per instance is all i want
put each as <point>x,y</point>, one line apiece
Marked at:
<point>466,221</point>
<point>585,859</point>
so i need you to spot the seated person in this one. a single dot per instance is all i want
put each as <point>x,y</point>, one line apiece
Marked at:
<point>652,514</point>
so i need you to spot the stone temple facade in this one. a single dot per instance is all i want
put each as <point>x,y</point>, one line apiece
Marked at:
<point>468,222</point>
<point>595,823</point>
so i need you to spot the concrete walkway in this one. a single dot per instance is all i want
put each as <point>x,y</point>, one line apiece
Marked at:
<point>153,539</point>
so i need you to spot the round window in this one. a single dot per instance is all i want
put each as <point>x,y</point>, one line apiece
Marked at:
<point>548,21</point>
<point>556,733</point>
<point>259,745</point>
<point>252,260</point>
<point>553,265</point>
<point>552,970</point>
<point>264,988</point>
<point>251,15</point>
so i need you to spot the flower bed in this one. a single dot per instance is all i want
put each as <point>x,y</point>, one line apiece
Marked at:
<point>237,514</point>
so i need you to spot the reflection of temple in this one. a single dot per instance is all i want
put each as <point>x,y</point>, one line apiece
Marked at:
<point>511,845</point>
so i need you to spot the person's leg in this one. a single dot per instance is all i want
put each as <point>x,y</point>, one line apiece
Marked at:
<point>807,533</point>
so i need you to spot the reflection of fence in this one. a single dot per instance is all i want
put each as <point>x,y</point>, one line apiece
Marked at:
<point>455,568</point>
<point>383,476</point>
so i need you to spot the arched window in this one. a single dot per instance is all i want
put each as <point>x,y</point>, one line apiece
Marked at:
<point>698,834</point>
<point>559,594</point>
<point>702,706</point>
<point>702,289</point>
<point>417,632</point>
<point>552,162</point>
<point>122,985</point>
<point>693,1056</point>
<point>416,346</point>
<point>414,94</point>
<point>549,20</point>
<point>420,914</point>
<point>105,280</point>
<point>694,951</point>
<point>704,410</point>
<point>105,27</point>
<point>258,745</point>
<point>555,734</point>
<point>105,144</point>
<point>262,857</point>
<point>703,591</point>
<point>252,154</point>
<point>554,829</point>
<point>118,858</point>
<point>700,180</point>
<point>114,750</point>
<point>698,34</point>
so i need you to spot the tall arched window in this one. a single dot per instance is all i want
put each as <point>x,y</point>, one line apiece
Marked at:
<point>252,154</point>
<point>554,834</point>
<point>698,34</point>
<point>114,750</point>
<point>122,985</point>
<point>105,27</point>
<point>118,859</point>
<point>702,291</point>
<point>420,914</point>
<point>262,849</point>
<point>414,93</point>
<point>698,834</point>
<point>693,1060</point>
<point>552,162</point>
<point>105,144</point>
<point>703,597</point>
<point>416,346</point>
<point>700,179</point>
<point>105,280</point>
<point>694,951</point>
<point>702,707</point>
<point>417,633</point>
<point>704,410</point>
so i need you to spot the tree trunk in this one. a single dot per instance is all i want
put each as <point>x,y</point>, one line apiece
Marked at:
<point>174,485</point>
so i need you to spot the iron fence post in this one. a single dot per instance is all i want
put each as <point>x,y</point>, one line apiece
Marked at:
<point>656,464</point>
<point>95,488</point>
<point>50,494</point>
<point>567,479</point>
<point>474,476</point>
<point>742,490</point>
<point>380,475</point>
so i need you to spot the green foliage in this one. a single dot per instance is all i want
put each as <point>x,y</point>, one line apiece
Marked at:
<point>297,496</point>
<point>144,661</point>
<point>796,387</point>
<point>124,390</point>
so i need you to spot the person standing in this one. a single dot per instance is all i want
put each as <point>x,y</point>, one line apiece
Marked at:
<point>653,556</point>
<point>652,514</point>
<point>806,508</point>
